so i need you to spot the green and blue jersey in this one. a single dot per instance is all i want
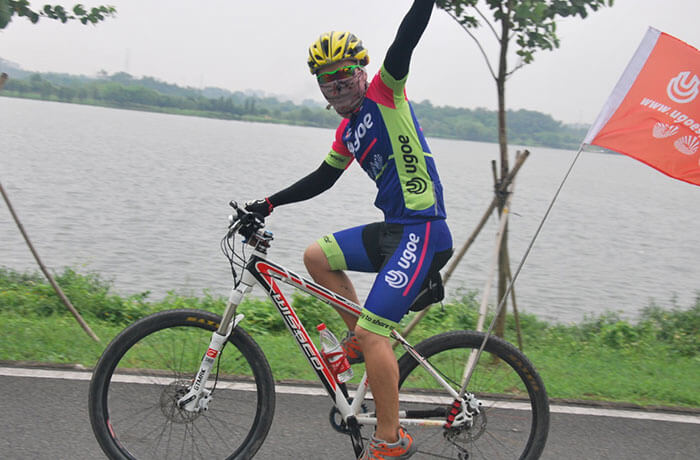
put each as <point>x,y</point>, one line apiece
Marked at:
<point>386,140</point>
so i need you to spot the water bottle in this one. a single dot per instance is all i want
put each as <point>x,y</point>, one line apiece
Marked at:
<point>334,354</point>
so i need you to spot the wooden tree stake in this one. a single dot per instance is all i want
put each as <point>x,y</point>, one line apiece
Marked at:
<point>55,286</point>
<point>456,259</point>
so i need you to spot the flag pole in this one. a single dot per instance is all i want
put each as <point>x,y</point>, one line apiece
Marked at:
<point>475,355</point>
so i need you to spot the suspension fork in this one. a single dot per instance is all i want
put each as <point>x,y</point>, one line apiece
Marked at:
<point>197,398</point>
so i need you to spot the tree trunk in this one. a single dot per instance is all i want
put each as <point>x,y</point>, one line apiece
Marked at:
<point>503,144</point>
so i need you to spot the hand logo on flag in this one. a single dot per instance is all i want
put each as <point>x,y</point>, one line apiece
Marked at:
<point>653,114</point>
<point>683,89</point>
<point>687,145</point>
<point>662,130</point>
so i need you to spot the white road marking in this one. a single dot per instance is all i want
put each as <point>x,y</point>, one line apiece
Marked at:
<point>313,391</point>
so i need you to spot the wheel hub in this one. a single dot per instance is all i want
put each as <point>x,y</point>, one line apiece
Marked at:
<point>169,403</point>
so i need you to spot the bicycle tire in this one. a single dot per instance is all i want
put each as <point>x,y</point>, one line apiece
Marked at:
<point>151,363</point>
<point>513,422</point>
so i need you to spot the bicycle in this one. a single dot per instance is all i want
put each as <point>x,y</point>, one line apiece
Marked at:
<point>155,394</point>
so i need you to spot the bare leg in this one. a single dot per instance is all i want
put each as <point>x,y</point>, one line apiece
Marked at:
<point>380,361</point>
<point>383,374</point>
<point>336,280</point>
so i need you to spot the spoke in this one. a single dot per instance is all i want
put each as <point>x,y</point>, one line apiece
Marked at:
<point>163,360</point>
<point>195,447</point>
<point>126,430</point>
<point>235,427</point>
<point>490,434</point>
<point>184,441</point>
<point>143,412</point>
<point>160,437</point>
<point>170,438</point>
<point>182,358</point>
<point>203,436</point>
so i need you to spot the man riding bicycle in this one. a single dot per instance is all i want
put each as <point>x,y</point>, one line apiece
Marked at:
<point>406,250</point>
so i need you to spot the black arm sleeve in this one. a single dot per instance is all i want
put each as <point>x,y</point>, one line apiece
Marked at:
<point>398,57</point>
<point>308,187</point>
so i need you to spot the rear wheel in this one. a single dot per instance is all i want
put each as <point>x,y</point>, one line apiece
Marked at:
<point>152,363</point>
<point>512,423</point>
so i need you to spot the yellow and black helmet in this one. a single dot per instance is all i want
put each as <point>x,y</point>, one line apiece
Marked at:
<point>335,46</point>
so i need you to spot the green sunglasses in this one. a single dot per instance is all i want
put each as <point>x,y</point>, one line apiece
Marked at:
<point>338,74</point>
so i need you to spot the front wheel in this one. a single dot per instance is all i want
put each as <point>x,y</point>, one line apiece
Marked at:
<point>512,423</point>
<point>151,364</point>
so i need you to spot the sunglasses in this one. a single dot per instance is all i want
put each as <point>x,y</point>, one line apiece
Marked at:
<point>337,74</point>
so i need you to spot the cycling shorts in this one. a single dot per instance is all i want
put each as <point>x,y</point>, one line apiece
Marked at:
<point>402,255</point>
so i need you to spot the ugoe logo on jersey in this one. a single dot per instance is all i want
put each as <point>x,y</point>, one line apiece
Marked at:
<point>398,279</point>
<point>362,128</point>
<point>416,185</point>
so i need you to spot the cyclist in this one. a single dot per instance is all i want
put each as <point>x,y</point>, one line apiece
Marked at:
<point>407,249</point>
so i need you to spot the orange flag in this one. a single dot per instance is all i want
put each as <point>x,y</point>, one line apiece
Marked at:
<point>653,114</point>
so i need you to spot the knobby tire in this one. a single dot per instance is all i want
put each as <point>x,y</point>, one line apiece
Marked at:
<point>150,364</point>
<point>514,420</point>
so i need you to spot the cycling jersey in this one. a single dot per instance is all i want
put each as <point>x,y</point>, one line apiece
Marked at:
<point>386,140</point>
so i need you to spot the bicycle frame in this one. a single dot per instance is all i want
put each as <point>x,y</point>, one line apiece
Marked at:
<point>267,274</point>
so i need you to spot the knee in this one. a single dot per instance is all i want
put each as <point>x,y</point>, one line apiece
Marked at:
<point>365,336</point>
<point>315,259</point>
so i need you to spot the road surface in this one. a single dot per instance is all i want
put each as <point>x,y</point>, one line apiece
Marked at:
<point>43,415</point>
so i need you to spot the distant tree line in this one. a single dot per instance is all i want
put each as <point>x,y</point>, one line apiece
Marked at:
<point>526,127</point>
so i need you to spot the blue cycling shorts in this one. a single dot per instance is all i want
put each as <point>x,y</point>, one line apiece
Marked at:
<point>402,255</point>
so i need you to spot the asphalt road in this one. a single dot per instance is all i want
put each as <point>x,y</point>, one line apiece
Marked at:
<point>47,418</point>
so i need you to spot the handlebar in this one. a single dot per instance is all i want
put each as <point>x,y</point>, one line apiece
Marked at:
<point>249,225</point>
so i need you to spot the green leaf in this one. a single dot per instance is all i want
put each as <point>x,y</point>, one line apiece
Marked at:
<point>5,13</point>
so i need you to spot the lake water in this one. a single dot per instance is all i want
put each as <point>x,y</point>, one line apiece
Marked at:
<point>142,199</point>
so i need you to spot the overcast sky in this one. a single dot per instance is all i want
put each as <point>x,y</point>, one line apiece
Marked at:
<point>262,45</point>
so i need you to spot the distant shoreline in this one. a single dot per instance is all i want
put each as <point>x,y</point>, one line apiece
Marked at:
<point>155,109</point>
<point>122,91</point>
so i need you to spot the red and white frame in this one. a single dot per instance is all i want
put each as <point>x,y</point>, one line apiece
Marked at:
<point>268,274</point>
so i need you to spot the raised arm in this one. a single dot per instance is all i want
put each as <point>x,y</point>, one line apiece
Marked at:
<point>398,57</point>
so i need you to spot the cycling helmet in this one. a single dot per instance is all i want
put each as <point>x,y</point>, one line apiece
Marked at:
<point>335,46</point>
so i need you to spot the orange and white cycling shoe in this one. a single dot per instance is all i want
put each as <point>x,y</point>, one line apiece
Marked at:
<point>378,449</point>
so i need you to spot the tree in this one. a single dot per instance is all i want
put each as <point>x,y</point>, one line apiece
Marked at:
<point>22,8</point>
<point>532,25</point>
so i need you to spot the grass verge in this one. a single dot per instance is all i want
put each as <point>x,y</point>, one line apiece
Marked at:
<point>653,362</point>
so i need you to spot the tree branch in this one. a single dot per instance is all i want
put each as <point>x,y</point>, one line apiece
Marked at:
<point>483,53</point>
<point>514,69</point>
<point>495,34</point>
